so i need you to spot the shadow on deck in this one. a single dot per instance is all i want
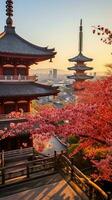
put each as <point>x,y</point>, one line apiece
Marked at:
<point>52,187</point>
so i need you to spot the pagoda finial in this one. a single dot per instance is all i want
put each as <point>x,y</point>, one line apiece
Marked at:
<point>80,37</point>
<point>9,13</point>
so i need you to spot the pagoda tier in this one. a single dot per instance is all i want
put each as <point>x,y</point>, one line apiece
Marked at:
<point>17,88</point>
<point>23,90</point>
<point>18,95</point>
<point>80,66</point>
<point>80,58</point>
<point>80,77</point>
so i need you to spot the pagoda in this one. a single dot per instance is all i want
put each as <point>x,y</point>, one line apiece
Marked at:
<point>80,67</point>
<point>17,87</point>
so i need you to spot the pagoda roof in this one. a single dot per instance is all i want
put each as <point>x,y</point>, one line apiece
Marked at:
<point>80,68</point>
<point>28,89</point>
<point>80,58</point>
<point>12,44</point>
<point>78,77</point>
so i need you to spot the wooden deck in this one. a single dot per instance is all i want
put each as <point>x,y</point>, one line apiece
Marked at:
<point>50,188</point>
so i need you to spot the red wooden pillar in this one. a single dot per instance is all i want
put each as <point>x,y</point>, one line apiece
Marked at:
<point>16,106</point>
<point>1,70</point>
<point>15,71</point>
<point>2,107</point>
<point>28,105</point>
<point>27,71</point>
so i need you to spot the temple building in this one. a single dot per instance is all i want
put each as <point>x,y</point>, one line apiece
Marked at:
<point>80,67</point>
<point>17,87</point>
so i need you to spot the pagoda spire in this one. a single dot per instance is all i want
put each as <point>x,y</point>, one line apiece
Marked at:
<point>9,13</point>
<point>80,67</point>
<point>80,37</point>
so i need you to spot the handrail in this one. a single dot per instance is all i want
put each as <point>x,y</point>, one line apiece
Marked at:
<point>17,78</point>
<point>28,163</point>
<point>91,183</point>
<point>86,180</point>
<point>19,116</point>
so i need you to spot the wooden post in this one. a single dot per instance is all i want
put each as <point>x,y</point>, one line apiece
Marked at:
<point>61,153</point>
<point>28,105</point>
<point>55,161</point>
<point>34,154</point>
<point>27,169</point>
<point>109,195</point>
<point>72,168</point>
<point>3,176</point>
<point>91,193</point>
<point>2,159</point>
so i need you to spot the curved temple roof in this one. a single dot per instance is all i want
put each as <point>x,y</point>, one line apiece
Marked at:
<point>80,58</point>
<point>80,77</point>
<point>28,89</point>
<point>12,43</point>
<point>80,68</point>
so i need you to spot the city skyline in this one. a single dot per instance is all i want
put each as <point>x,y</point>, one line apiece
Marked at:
<point>56,24</point>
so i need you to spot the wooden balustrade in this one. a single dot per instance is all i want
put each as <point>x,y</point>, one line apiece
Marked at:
<point>93,191</point>
<point>38,167</point>
<point>5,78</point>
<point>7,116</point>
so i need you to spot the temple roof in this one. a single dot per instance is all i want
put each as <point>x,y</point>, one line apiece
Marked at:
<point>78,77</point>
<point>29,89</point>
<point>80,58</point>
<point>12,43</point>
<point>80,68</point>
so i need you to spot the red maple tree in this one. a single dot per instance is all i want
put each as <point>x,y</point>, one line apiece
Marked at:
<point>90,119</point>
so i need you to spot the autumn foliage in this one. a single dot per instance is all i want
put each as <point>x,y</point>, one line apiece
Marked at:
<point>90,119</point>
<point>104,33</point>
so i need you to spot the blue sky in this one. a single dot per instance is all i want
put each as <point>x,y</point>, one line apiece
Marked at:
<point>56,22</point>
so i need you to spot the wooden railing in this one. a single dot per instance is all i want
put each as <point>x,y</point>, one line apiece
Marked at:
<point>5,78</point>
<point>40,167</point>
<point>23,171</point>
<point>7,116</point>
<point>15,155</point>
<point>90,189</point>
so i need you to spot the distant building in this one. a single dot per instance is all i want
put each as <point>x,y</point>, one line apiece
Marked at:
<point>54,73</point>
<point>50,74</point>
<point>80,66</point>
